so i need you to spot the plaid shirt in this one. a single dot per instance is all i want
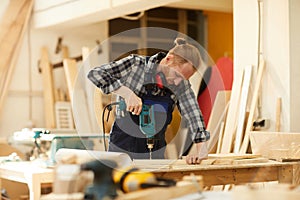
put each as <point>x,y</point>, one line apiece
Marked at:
<point>130,72</point>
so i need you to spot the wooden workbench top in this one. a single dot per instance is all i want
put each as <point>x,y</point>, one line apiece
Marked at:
<point>180,165</point>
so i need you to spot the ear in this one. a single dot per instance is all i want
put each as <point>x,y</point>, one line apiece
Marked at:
<point>169,57</point>
<point>189,70</point>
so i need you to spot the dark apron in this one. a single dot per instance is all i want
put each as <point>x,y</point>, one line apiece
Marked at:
<point>126,135</point>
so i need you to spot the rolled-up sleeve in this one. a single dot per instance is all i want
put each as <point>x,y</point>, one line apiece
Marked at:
<point>190,110</point>
<point>108,77</point>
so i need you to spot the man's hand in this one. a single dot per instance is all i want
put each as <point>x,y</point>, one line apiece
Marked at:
<point>133,102</point>
<point>202,154</point>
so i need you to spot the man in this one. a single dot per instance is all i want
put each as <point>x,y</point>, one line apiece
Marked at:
<point>161,81</point>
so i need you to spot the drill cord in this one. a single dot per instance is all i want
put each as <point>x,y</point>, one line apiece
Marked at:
<point>109,108</point>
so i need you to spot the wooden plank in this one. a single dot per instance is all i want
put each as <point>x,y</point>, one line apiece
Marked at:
<point>70,68</point>
<point>213,159</point>
<point>226,174</point>
<point>231,118</point>
<point>221,134</point>
<point>249,160</point>
<point>285,174</point>
<point>254,99</point>
<point>94,95</point>
<point>233,156</point>
<point>217,116</point>
<point>278,115</point>
<point>48,92</point>
<point>78,99</point>
<point>242,108</point>
<point>296,172</point>
<point>275,145</point>
<point>12,29</point>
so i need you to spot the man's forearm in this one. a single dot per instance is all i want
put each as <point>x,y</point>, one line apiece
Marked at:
<point>202,150</point>
<point>123,91</point>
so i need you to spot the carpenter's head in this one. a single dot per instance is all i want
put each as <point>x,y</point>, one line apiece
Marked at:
<point>181,62</point>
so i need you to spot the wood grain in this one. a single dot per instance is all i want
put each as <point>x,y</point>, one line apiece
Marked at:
<point>12,29</point>
<point>253,105</point>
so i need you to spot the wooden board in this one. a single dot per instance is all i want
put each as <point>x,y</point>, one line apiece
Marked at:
<point>70,68</point>
<point>233,156</point>
<point>242,108</point>
<point>220,140</point>
<point>12,28</point>
<point>275,145</point>
<point>48,91</point>
<point>213,159</point>
<point>253,105</point>
<point>95,98</point>
<point>278,115</point>
<point>231,117</point>
<point>217,116</point>
<point>78,99</point>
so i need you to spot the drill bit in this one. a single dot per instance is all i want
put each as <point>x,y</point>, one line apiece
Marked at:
<point>150,154</point>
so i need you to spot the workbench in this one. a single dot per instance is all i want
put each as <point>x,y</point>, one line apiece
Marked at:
<point>235,174</point>
<point>29,173</point>
<point>284,172</point>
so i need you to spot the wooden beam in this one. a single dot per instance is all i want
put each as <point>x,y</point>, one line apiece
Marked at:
<point>217,116</point>
<point>70,68</point>
<point>48,85</point>
<point>220,140</point>
<point>254,100</point>
<point>227,175</point>
<point>242,109</point>
<point>12,28</point>
<point>78,99</point>
<point>276,145</point>
<point>278,115</point>
<point>231,119</point>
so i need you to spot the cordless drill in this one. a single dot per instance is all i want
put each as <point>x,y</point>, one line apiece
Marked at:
<point>146,122</point>
<point>147,125</point>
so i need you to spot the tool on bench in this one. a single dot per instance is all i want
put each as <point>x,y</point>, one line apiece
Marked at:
<point>130,179</point>
<point>39,149</point>
<point>103,186</point>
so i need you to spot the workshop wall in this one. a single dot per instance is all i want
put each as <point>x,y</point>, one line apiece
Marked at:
<point>23,106</point>
<point>279,48</point>
<point>281,74</point>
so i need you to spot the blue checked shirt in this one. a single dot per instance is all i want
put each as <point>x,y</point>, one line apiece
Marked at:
<point>130,72</point>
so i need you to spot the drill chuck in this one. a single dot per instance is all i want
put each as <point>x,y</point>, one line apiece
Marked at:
<point>150,143</point>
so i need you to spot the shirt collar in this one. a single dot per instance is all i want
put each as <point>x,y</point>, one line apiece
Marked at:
<point>154,60</point>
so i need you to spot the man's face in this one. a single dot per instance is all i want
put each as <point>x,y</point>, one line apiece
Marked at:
<point>175,72</point>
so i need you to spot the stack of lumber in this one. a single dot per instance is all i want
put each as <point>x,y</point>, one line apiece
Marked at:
<point>231,124</point>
